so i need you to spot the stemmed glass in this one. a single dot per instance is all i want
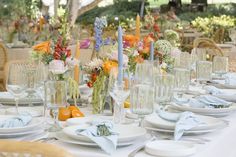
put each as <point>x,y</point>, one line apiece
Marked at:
<point>144,72</point>
<point>119,92</point>
<point>17,81</point>
<point>55,97</point>
<point>220,65</point>
<point>182,81</point>
<point>142,100</point>
<point>164,84</point>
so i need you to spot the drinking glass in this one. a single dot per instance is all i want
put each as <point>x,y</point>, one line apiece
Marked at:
<point>220,65</point>
<point>182,80</point>
<point>16,81</point>
<point>119,93</point>
<point>232,35</point>
<point>142,100</point>
<point>164,85</point>
<point>185,60</point>
<point>55,97</point>
<point>144,72</point>
<point>203,71</point>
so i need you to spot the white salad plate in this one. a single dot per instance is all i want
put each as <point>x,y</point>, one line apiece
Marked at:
<point>169,148</point>
<point>64,138</point>
<point>34,112</point>
<point>35,122</point>
<point>205,111</point>
<point>20,134</point>
<point>78,121</point>
<point>207,122</point>
<point>126,133</point>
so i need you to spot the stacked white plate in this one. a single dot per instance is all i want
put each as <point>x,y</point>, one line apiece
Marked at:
<point>210,124</point>
<point>34,126</point>
<point>7,99</point>
<point>216,112</point>
<point>127,135</point>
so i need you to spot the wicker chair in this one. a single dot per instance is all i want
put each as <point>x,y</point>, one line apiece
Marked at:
<point>3,60</point>
<point>10,148</point>
<point>206,49</point>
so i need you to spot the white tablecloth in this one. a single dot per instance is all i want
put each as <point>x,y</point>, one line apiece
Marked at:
<point>222,144</point>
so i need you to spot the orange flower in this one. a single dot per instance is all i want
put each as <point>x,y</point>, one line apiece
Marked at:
<point>139,59</point>
<point>131,39</point>
<point>43,47</point>
<point>108,65</point>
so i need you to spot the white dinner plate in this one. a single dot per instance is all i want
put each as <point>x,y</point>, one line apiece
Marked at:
<point>64,138</point>
<point>126,133</point>
<point>35,112</point>
<point>208,122</point>
<point>19,134</point>
<point>205,111</point>
<point>78,121</point>
<point>169,148</point>
<point>35,122</point>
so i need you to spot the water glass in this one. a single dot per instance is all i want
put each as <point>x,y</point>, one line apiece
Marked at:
<point>144,72</point>
<point>164,85</point>
<point>55,97</point>
<point>220,65</point>
<point>142,100</point>
<point>182,80</point>
<point>185,60</point>
<point>17,81</point>
<point>203,71</point>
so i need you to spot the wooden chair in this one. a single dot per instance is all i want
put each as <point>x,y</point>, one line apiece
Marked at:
<point>10,148</point>
<point>3,61</point>
<point>206,49</point>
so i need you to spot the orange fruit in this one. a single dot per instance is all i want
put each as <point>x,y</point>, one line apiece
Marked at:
<point>77,113</point>
<point>126,104</point>
<point>64,114</point>
<point>73,108</point>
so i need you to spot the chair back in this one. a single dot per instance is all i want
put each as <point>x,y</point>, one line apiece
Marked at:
<point>3,60</point>
<point>10,148</point>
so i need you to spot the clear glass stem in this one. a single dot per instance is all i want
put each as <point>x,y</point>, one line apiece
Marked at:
<point>55,117</point>
<point>17,104</point>
<point>141,122</point>
<point>118,113</point>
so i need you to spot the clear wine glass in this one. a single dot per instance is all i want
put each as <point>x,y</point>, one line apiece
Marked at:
<point>164,85</point>
<point>220,65</point>
<point>144,72</point>
<point>119,92</point>
<point>142,100</point>
<point>182,81</point>
<point>55,97</point>
<point>17,81</point>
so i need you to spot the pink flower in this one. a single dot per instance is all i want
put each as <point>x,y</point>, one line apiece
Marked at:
<point>57,67</point>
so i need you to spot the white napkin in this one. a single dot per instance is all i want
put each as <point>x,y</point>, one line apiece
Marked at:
<point>19,121</point>
<point>230,79</point>
<point>107,143</point>
<point>184,121</point>
<point>203,101</point>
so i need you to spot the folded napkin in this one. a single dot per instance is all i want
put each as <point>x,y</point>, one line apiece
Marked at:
<point>19,121</point>
<point>107,143</point>
<point>213,90</point>
<point>230,79</point>
<point>203,101</point>
<point>183,121</point>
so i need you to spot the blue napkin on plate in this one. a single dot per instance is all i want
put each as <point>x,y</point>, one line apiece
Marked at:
<point>107,143</point>
<point>18,121</point>
<point>184,121</point>
<point>203,101</point>
<point>213,90</point>
<point>230,79</point>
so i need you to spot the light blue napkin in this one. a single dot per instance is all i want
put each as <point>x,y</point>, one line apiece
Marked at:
<point>107,143</point>
<point>230,79</point>
<point>183,121</point>
<point>213,90</point>
<point>203,101</point>
<point>19,121</point>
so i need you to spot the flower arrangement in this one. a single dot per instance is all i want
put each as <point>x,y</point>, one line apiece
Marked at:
<point>150,23</point>
<point>209,26</point>
<point>172,36</point>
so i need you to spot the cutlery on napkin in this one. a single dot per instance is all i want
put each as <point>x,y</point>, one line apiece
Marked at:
<point>102,134</point>
<point>18,121</point>
<point>184,121</point>
<point>203,101</point>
